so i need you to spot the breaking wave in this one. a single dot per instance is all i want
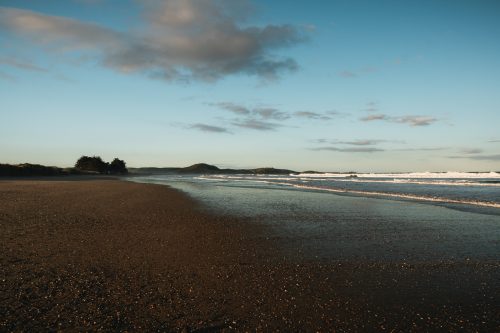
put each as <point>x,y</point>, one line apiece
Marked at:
<point>402,196</point>
<point>477,189</point>
<point>412,175</point>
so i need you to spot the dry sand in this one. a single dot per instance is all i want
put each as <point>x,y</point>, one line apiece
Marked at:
<point>119,256</point>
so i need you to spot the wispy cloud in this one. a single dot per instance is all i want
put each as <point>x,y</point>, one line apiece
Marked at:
<point>265,118</point>
<point>178,40</point>
<point>373,117</point>
<point>89,2</point>
<point>495,157</point>
<point>471,151</point>
<point>313,115</point>
<point>231,107</point>
<point>319,141</point>
<point>412,120</point>
<point>348,74</point>
<point>358,142</point>
<point>209,128</point>
<point>367,146</point>
<point>271,113</point>
<point>493,141</point>
<point>415,120</point>
<point>21,64</point>
<point>350,150</point>
<point>256,125</point>
<point>362,142</point>
<point>422,149</point>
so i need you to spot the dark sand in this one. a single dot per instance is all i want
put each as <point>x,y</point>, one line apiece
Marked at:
<point>112,255</point>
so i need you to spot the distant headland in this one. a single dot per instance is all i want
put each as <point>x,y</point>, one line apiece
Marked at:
<point>96,166</point>
<point>204,168</point>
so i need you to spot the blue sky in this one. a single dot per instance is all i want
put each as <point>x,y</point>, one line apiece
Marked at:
<point>323,85</point>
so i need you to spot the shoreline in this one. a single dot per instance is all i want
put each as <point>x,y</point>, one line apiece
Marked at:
<point>118,255</point>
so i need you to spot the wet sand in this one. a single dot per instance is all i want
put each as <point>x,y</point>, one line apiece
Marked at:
<point>120,256</point>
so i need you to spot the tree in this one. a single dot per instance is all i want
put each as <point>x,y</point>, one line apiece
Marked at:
<point>92,164</point>
<point>118,166</point>
<point>96,164</point>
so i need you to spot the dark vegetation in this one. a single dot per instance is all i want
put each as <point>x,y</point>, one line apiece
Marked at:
<point>85,165</point>
<point>200,168</point>
<point>95,164</point>
<point>203,168</point>
<point>26,169</point>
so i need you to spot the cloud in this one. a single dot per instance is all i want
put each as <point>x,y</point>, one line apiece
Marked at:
<point>422,149</point>
<point>267,113</point>
<point>350,150</point>
<point>348,74</point>
<point>313,115</point>
<point>366,146</point>
<point>209,128</point>
<point>271,113</point>
<point>415,120</point>
<point>335,113</point>
<point>260,118</point>
<point>231,107</point>
<point>373,117</point>
<point>486,157</point>
<point>359,142</point>
<point>177,40</point>
<point>21,64</point>
<point>362,142</point>
<point>322,140</point>
<point>256,125</point>
<point>89,2</point>
<point>412,120</point>
<point>58,32</point>
<point>493,141</point>
<point>495,157</point>
<point>471,151</point>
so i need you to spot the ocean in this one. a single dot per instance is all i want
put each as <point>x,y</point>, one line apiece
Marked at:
<point>399,216</point>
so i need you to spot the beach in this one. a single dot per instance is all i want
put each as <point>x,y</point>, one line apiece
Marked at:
<point>121,256</point>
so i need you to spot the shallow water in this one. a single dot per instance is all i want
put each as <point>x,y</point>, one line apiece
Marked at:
<point>329,225</point>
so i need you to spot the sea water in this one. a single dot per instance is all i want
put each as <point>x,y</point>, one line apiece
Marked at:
<point>411,216</point>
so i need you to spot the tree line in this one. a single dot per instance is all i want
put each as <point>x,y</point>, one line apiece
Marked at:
<point>84,165</point>
<point>96,164</point>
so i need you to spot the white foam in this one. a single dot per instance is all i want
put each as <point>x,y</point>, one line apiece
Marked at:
<point>413,175</point>
<point>443,181</point>
<point>404,196</point>
<point>447,182</point>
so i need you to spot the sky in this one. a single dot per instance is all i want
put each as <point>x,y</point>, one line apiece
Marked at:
<point>370,86</point>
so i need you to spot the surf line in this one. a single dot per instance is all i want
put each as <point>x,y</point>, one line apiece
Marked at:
<point>396,195</point>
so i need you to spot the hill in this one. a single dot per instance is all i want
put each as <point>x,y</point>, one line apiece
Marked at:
<point>200,168</point>
<point>204,168</point>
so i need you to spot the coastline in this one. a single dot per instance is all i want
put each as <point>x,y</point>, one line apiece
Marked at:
<point>116,255</point>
